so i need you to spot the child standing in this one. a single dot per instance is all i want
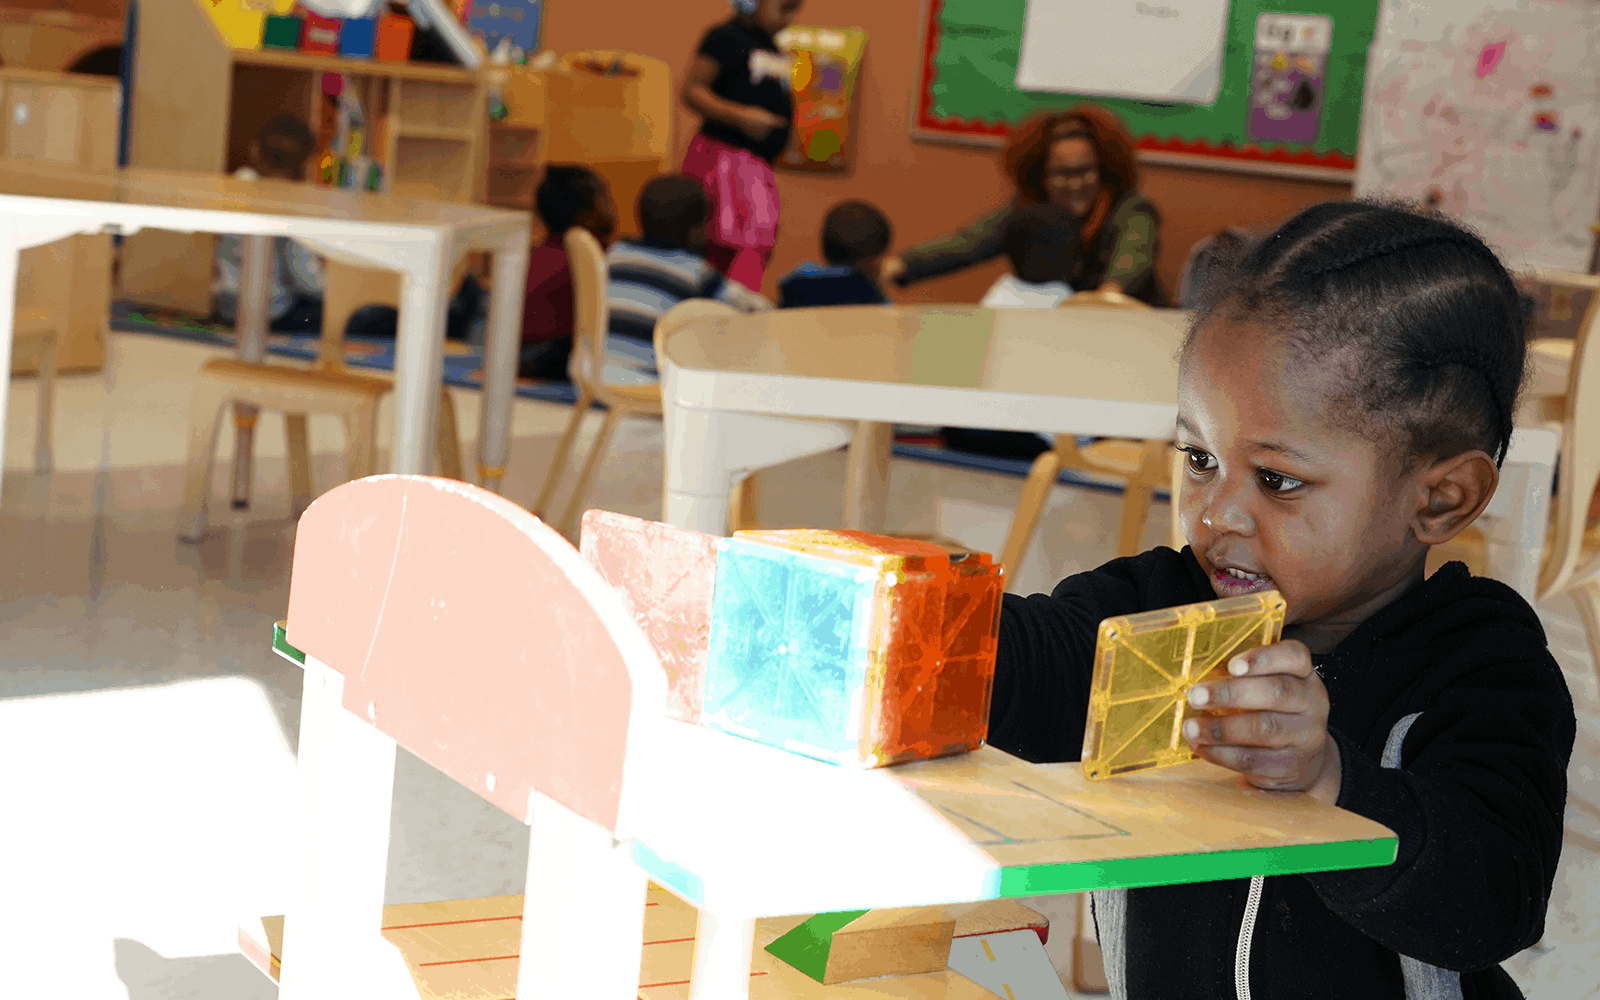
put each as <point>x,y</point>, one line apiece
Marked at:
<point>1345,398</point>
<point>855,236</point>
<point>1042,244</point>
<point>739,85</point>
<point>662,267</point>
<point>567,196</point>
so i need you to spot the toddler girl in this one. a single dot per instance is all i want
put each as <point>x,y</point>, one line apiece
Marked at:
<point>1345,399</point>
<point>739,84</point>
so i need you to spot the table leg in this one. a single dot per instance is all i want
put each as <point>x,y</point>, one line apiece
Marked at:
<point>500,362</point>
<point>866,479</point>
<point>722,946</point>
<point>250,326</point>
<point>8,315</point>
<point>419,362</point>
<point>709,451</point>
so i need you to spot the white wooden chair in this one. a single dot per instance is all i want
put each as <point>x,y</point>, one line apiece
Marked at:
<point>1143,465</point>
<point>328,388</point>
<point>36,332</point>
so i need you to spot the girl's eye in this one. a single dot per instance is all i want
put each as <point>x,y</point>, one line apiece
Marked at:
<point>1277,482</point>
<point>1199,461</point>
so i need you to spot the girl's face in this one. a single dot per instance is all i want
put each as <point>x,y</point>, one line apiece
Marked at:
<point>1072,175</point>
<point>775,15</point>
<point>1278,494</point>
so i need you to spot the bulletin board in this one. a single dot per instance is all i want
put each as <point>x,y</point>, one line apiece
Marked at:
<point>966,89</point>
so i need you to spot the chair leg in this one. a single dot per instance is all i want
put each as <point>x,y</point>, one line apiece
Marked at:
<point>866,476</point>
<point>569,523</point>
<point>558,461</point>
<point>1035,491</point>
<point>205,422</point>
<point>294,430</point>
<point>448,438</point>
<point>1135,512</point>
<point>1587,597</point>
<point>43,460</point>
<point>361,428</point>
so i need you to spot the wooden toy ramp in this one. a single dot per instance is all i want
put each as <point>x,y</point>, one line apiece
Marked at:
<point>440,616</point>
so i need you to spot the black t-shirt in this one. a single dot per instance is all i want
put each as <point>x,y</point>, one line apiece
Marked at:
<point>750,70</point>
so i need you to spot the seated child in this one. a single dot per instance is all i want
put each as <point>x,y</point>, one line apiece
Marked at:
<point>567,196</point>
<point>1041,241</point>
<point>279,150</point>
<point>664,266</point>
<point>1345,400</point>
<point>855,236</point>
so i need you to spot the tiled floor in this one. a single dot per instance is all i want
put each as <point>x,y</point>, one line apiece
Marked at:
<point>95,592</point>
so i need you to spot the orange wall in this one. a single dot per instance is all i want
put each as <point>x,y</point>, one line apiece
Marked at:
<point>925,188</point>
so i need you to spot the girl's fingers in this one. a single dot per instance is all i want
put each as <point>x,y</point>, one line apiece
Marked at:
<point>1248,729</point>
<point>1269,769</point>
<point>1273,692</point>
<point>1287,657</point>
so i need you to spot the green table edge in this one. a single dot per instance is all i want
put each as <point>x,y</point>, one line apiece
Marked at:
<point>1118,873</point>
<point>280,644</point>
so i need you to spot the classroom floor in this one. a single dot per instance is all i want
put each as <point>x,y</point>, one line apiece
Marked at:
<point>95,592</point>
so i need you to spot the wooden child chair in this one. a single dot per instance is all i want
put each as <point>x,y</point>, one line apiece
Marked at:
<point>591,321</point>
<point>327,388</point>
<point>1144,465</point>
<point>36,332</point>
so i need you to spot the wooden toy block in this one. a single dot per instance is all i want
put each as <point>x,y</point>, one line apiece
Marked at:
<point>666,576</point>
<point>1144,666</point>
<point>851,648</point>
<point>864,944</point>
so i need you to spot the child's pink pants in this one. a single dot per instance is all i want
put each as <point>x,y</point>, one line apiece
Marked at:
<point>744,207</point>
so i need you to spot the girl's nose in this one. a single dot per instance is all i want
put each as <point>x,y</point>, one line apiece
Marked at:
<point>1226,513</point>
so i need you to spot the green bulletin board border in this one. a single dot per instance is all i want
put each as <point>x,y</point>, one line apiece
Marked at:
<point>1210,136</point>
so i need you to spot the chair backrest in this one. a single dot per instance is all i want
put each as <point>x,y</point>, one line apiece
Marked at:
<point>591,311</point>
<point>475,636</point>
<point>1579,460</point>
<point>686,312</point>
<point>1103,297</point>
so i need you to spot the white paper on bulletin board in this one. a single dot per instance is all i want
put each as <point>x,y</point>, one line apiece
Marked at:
<point>1492,115</point>
<point>1147,50</point>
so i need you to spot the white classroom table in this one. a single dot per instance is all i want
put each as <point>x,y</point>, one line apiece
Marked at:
<point>423,240</point>
<point>1093,370</point>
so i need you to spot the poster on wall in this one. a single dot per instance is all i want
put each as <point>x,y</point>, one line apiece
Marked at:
<point>1493,117</point>
<point>1082,48</point>
<point>518,20</point>
<point>1289,77</point>
<point>825,64</point>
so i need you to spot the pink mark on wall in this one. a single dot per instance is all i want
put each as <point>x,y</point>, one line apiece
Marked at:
<point>1489,58</point>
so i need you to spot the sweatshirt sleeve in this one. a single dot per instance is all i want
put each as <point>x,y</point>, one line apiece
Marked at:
<point>1045,658</point>
<point>980,241</point>
<point>1478,807</point>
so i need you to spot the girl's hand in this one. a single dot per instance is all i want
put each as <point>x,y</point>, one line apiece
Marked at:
<point>893,268</point>
<point>758,123</point>
<point>1279,738</point>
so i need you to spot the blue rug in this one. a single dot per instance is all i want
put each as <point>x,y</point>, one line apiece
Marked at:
<point>463,367</point>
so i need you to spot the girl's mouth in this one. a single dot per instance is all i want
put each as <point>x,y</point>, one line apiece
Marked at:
<point>1235,582</point>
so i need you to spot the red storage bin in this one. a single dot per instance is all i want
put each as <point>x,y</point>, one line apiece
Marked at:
<point>394,38</point>
<point>320,34</point>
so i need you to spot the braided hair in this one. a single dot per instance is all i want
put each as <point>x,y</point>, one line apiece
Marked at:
<point>1430,326</point>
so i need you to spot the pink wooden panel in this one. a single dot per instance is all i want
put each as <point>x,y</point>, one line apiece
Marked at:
<point>463,639</point>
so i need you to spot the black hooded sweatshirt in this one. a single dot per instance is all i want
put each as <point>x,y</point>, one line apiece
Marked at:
<point>1477,803</point>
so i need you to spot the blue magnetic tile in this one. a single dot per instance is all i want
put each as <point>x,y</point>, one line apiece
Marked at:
<point>789,649</point>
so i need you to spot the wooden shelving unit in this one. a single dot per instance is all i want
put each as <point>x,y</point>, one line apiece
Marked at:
<point>197,104</point>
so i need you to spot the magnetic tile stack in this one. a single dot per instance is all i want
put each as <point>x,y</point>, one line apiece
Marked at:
<point>847,647</point>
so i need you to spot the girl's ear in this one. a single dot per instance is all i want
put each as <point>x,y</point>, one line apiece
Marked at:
<point>1453,492</point>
